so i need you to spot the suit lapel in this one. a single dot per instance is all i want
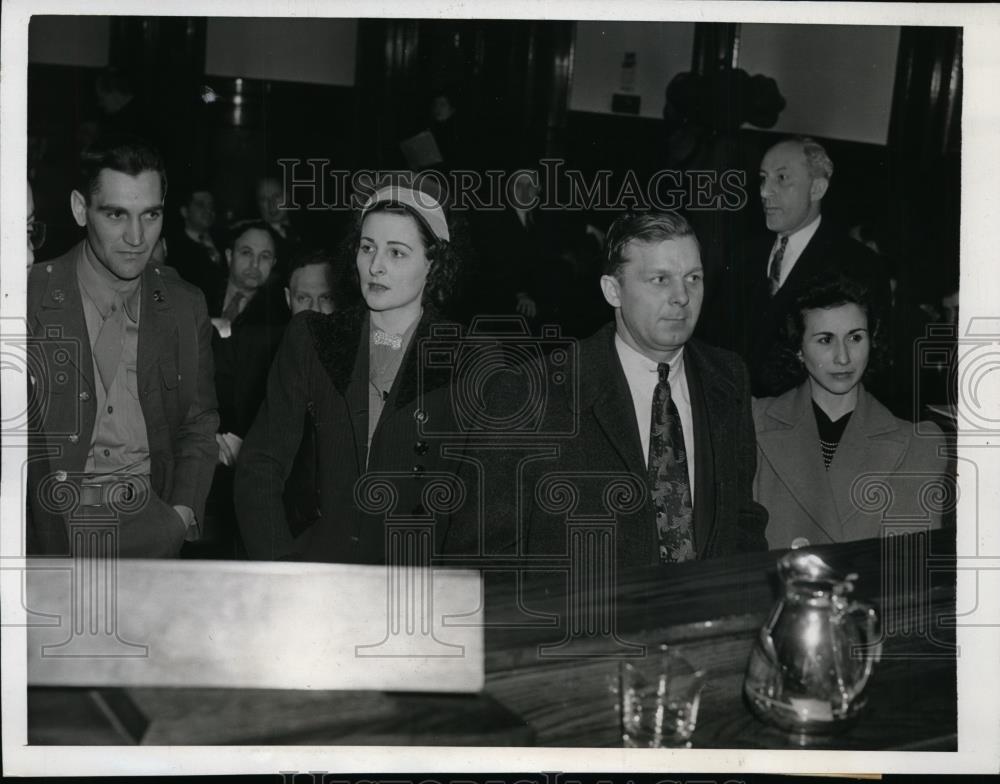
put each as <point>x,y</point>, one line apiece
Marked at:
<point>860,448</point>
<point>711,408</point>
<point>61,313</point>
<point>790,443</point>
<point>157,328</point>
<point>606,389</point>
<point>341,343</point>
<point>356,396</point>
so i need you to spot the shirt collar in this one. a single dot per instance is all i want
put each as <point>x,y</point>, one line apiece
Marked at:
<point>103,289</point>
<point>196,236</point>
<point>636,365</point>
<point>798,239</point>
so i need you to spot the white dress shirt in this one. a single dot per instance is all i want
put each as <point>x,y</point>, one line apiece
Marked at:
<point>642,376</point>
<point>797,242</point>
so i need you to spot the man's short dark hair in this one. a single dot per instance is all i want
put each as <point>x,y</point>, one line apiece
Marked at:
<point>641,227</point>
<point>126,154</point>
<point>238,229</point>
<point>186,193</point>
<point>337,274</point>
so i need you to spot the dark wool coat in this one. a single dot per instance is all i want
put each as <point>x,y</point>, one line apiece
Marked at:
<point>319,383</point>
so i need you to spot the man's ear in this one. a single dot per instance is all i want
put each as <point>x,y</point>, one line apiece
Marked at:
<point>78,204</point>
<point>612,290</point>
<point>817,190</point>
<point>184,212</point>
<point>229,257</point>
<point>288,297</point>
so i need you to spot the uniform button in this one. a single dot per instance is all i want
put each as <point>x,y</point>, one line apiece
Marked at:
<point>420,415</point>
<point>418,469</point>
<point>61,476</point>
<point>111,409</point>
<point>73,439</point>
<point>107,453</point>
<point>84,395</point>
<point>420,447</point>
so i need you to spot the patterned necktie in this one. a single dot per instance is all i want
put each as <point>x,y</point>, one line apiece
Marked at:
<point>779,255</point>
<point>233,308</point>
<point>110,343</point>
<point>668,476</point>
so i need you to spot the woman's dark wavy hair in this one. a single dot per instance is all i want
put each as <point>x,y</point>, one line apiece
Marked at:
<point>827,292</point>
<point>446,257</point>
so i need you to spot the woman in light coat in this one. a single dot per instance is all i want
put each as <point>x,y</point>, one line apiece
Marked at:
<point>833,464</point>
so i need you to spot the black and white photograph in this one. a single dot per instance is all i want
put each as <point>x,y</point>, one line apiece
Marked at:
<point>472,387</point>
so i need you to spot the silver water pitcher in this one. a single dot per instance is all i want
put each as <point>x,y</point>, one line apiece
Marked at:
<point>813,658</point>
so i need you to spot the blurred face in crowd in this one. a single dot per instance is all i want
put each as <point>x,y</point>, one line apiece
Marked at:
<point>309,289</point>
<point>657,295</point>
<point>123,218</point>
<point>441,108</point>
<point>835,349</point>
<point>790,195</point>
<point>251,259</point>
<point>525,190</point>
<point>392,263</point>
<point>269,196</point>
<point>199,213</point>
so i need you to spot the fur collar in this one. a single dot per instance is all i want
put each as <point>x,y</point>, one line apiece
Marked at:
<point>338,339</point>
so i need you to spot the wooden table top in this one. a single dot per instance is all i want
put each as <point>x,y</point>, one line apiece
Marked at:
<point>711,611</point>
<point>546,686</point>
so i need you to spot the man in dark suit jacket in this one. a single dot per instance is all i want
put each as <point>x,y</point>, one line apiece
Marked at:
<point>539,263</point>
<point>646,427</point>
<point>794,177</point>
<point>124,433</point>
<point>192,250</point>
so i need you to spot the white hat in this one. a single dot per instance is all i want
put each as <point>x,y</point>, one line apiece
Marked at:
<point>426,207</point>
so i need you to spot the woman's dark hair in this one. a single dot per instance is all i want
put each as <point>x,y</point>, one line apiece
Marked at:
<point>826,292</point>
<point>445,256</point>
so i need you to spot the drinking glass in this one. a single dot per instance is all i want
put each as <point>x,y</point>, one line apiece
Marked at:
<point>658,696</point>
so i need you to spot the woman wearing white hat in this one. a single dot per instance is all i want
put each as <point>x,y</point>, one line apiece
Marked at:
<point>355,385</point>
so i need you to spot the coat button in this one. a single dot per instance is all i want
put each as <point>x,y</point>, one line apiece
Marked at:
<point>421,447</point>
<point>61,476</point>
<point>420,415</point>
<point>73,439</point>
<point>85,395</point>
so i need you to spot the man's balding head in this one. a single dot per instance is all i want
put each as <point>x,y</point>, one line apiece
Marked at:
<point>794,177</point>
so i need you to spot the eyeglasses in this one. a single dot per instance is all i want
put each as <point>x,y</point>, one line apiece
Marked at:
<point>36,234</point>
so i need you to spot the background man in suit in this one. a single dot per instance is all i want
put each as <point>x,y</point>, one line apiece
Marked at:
<point>539,263</point>
<point>270,195</point>
<point>254,315</point>
<point>129,410</point>
<point>193,252</point>
<point>794,177</point>
<point>665,414</point>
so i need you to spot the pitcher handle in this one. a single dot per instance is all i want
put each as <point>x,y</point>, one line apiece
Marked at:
<point>873,644</point>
